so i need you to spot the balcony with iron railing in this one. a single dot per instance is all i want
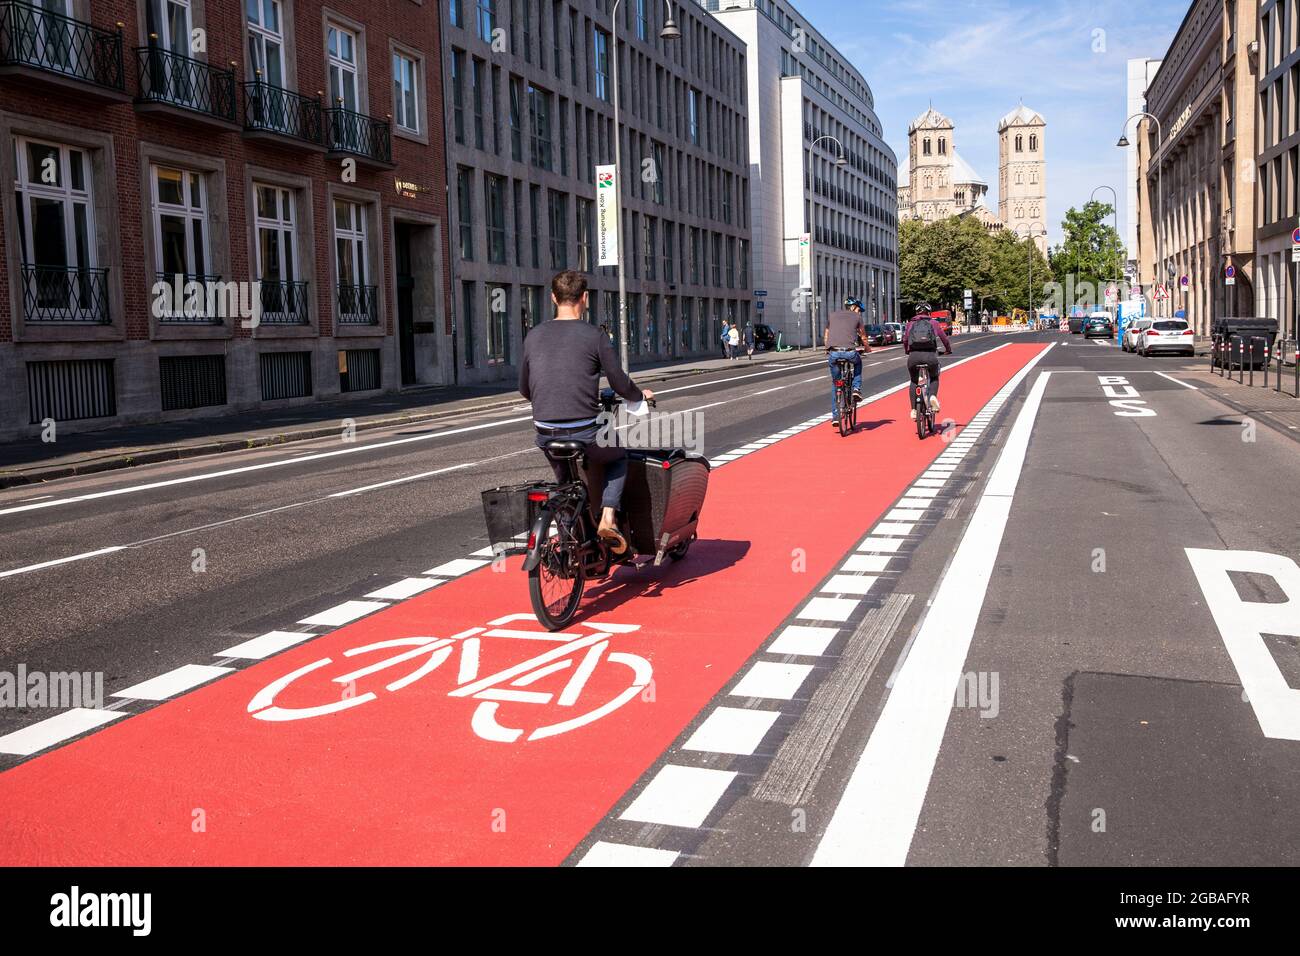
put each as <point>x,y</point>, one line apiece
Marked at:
<point>171,81</point>
<point>39,44</point>
<point>65,294</point>
<point>348,133</point>
<point>358,304</point>
<point>273,112</point>
<point>284,302</point>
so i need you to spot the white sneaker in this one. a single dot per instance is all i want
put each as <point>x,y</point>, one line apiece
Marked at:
<point>913,413</point>
<point>934,404</point>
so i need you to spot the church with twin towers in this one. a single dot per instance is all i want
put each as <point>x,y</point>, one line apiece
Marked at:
<point>939,184</point>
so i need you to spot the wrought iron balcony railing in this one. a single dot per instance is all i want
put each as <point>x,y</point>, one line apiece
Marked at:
<point>272,109</point>
<point>177,80</point>
<point>358,304</point>
<point>65,294</point>
<point>283,302</point>
<point>357,133</point>
<point>207,310</point>
<point>34,37</point>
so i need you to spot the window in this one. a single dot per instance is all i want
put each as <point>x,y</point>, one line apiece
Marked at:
<point>539,106</point>
<point>55,231</point>
<point>657,163</point>
<point>559,214</point>
<point>600,62</point>
<point>650,244</point>
<point>564,137</point>
<point>640,20</point>
<point>693,116</point>
<point>341,56</point>
<point>519,222</point>
<point>266,41</point>
<point>695,256</point>
<point>476,98</point>
<point>556,13</point>
<point>516,119</point>
<point>1033,142</point>
<point>458,95</point>
<point>717,258</point>
<point>356,302</point>
<point>534,215</point>
<point>168,25</point>
<point>573,47</point>
<point>925,147</point>
<point>731,262</point>
<point>283,297</point>
<point>496,110</point>
<point>467,321</point>
<point>494,205</point>
<point>1020,144</point>
<point>584,212</point>
<point>943,146</point>
<point>670,229</point>
<point>406,113</point>
<point>180,224</point>
<point>487,14</point>
<point>453,12</point>
<point>498,324</point>
<point>465,212</point>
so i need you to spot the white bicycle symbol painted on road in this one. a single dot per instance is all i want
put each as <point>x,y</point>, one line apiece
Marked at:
<point>581,654</point>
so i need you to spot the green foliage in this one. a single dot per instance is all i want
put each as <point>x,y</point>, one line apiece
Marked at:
<point>937,261</point>
<point>1092,252</point>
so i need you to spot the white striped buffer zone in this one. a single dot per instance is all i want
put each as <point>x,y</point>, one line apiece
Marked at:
<point>681,794</point>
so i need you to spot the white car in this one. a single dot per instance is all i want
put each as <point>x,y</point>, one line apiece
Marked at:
<point>897,329</point>
<point>1133,334</point>
<point>1167,335</point>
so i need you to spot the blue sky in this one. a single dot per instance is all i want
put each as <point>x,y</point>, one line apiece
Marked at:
<point>976,59</point>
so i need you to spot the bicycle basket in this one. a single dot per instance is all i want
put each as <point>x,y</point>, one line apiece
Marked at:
<point>509,514</point>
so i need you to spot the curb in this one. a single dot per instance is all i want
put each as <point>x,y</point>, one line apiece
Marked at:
<point>1258,414</point>
<point>116,462</point>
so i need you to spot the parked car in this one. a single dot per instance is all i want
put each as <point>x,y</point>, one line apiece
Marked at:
<point>1097,327</point>
<point>894,330</point>
<point>875,335</point>
<point>1167,335</point>
<point>1133,334</point>
<point>764,338</point>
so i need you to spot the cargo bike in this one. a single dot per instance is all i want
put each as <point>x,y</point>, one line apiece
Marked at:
<point>554,524</point>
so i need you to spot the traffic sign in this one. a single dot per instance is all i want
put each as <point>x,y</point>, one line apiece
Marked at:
<point>1185,281</point>
<point>760,292</point>
<point>759,305</point>
<point>1295,236</point>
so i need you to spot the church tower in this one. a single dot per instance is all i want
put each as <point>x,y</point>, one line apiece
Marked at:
<point>929,164</point>
<point>1022,174</point>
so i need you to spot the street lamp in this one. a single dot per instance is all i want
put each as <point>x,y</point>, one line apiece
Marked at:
<point>1114,208</point>
<point>1160,139</point>
<point>670,31</point>
<point>1030,234</point>
<point>840,163</point>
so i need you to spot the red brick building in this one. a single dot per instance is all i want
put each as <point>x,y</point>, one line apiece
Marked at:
<point>279,163</point>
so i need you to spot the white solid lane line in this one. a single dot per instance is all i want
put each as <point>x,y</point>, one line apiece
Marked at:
<point>875,820</point>
<point>56,729</point>
<point>50,564</point>
<point>1177,382</point>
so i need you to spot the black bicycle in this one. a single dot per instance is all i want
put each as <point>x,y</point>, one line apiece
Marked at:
<point>564,549</point>
<point>921,402</point>
<point>844,404</point>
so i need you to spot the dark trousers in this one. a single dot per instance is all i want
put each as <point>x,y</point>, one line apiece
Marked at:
<point>613,458</point>
<point>931,361</point>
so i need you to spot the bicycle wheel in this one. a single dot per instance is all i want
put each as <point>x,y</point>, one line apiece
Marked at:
<point>846,411</point>
<point>555,586</point>
<point>922,414</point>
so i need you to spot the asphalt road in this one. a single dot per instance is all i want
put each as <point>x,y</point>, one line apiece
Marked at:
<point>1038,563</point>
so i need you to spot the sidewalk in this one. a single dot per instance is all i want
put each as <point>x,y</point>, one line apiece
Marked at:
<point>30,460</point>
<point>1261,402</point>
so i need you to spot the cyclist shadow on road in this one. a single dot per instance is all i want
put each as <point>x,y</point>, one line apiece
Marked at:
<point>707,556</point>
<point>872,426</point>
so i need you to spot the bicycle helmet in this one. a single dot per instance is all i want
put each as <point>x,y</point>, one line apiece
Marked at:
<point>850,302</point>
<point>922,308</point>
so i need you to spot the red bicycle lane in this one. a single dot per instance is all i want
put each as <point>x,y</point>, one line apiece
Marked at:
<point>409,775</point>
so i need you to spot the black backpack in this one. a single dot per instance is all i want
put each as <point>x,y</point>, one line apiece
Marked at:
<point>920,336</point>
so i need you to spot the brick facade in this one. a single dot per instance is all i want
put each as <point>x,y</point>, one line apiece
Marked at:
<point>122,136</point>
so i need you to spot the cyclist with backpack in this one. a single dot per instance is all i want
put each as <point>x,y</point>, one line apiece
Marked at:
<point>921,341</point>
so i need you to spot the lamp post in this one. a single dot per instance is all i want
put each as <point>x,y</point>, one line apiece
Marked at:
<point>670,31</point>
<point>1160,198</point>
<point>840,162</point>
<point>1030,234</point>
<point>1114,208</point>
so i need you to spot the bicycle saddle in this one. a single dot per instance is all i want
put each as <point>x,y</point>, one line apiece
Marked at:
<point>564,448</point>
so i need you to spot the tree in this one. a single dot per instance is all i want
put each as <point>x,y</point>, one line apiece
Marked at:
<point>1091,256</point>
<point>938,261</point>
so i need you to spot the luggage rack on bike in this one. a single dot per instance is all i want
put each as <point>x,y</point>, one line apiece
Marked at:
<point>509,512</point>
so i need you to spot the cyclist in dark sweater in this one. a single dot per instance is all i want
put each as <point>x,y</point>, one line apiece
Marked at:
<point>921,341</point>
<point>560,374</point>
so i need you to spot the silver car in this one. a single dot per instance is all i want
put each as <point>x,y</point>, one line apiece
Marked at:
<point>1133,334</point>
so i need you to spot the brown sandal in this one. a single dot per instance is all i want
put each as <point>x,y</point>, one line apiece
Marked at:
<point>614,535</point>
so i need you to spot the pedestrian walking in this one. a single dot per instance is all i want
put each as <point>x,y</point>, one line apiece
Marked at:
<point>726,341</point>
<point>733,342</point>
<point>749,340</point>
